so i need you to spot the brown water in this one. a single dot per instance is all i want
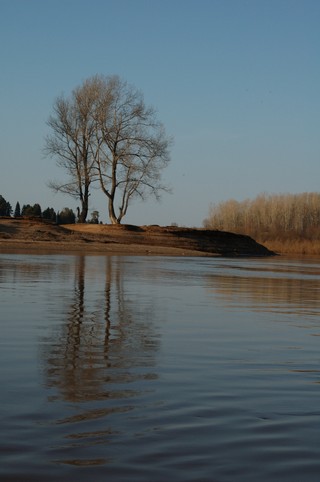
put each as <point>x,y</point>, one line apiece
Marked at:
<point>163,369</point>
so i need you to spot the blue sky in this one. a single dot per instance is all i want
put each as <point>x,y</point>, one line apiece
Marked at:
<point>235,82</point>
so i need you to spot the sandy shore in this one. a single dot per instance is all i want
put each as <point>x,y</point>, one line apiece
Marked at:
<point>20,235</point>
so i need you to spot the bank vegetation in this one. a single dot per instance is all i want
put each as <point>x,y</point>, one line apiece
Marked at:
<point>284,223</point>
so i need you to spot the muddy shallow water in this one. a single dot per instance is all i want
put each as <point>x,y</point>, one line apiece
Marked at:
<point>147,368</point>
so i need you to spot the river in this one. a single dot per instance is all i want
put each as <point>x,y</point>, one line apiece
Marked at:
<point>135,369</point>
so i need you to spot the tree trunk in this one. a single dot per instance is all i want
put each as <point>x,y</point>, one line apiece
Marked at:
<point>83,216</point>
<point>84,212</point>
<point>84,204</point>
<point>112,214</point>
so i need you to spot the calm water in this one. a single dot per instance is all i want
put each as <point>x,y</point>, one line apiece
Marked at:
<point>163,369</point>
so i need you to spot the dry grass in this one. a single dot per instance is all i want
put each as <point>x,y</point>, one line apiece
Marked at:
<point>293,246</point>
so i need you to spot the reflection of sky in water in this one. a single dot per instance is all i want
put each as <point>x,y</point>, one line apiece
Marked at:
<point>273,284</point>
<point>285,286</point>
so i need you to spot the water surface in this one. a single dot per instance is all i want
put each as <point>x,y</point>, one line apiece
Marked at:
<point>163,369</point>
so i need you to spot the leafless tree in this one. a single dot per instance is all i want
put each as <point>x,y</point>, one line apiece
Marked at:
<point>71,140</point>
<point>276,216</point>
<point>131,147</point>
<point>106,133</point>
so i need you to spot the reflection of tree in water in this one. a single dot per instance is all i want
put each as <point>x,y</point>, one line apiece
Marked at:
<point>107,340</point>
<point>275,292</point>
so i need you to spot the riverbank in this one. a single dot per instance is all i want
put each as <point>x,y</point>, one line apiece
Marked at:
<point>23,234</point>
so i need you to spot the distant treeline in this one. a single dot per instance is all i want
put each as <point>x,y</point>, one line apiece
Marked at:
<point>65,216</point>
<point>277,217</point>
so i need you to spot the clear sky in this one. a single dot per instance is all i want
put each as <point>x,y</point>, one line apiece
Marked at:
<point>235,82</point>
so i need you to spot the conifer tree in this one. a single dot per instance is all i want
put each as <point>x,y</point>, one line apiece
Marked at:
<point>17,211</point>
<point>5,207</point>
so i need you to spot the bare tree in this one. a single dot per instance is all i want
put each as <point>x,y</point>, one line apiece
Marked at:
<point>71,141</point>
<point>276,216</point>
<point>131,147</point>
<point>104,132</point>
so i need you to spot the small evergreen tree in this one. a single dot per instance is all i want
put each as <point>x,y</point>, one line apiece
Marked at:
<point>5,207</point>
<point>27,210</point>
<point>66,216</point>
<point>31,211</point>
<point>37,210</point>
<point>49,214</point>
<point>17,211</point>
